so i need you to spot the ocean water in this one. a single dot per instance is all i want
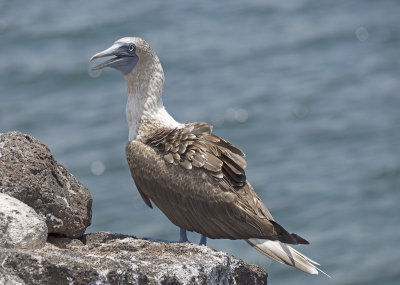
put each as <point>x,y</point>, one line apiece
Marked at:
<point>308,89</point>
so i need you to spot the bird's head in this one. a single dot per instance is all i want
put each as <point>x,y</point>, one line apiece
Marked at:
<point>126,53</point>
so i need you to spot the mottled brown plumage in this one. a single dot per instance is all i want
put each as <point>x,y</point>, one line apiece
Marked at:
<point>197,179</point>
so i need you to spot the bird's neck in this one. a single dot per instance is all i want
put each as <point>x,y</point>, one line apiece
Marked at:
<point>144,109</point>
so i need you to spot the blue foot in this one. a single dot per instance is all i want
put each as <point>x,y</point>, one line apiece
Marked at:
<point>182,238</point>
<point>203,240</point>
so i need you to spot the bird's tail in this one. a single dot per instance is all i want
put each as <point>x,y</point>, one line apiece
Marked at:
<point>285,254</point>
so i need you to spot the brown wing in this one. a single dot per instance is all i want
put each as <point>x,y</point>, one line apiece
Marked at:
<point>198,181</point>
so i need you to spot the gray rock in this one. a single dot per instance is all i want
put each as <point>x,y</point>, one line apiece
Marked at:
<point>10,280</point>
<point>29,173</point>
<point>104,258</point>
<point>20,225</point>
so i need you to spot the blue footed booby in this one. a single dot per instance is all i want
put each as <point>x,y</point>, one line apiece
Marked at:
<point>194,177</point>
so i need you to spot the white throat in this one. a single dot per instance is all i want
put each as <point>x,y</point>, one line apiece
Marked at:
<point>144,108</point>
<point>140,112</point>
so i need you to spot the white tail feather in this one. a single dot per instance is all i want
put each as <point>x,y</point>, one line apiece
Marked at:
<point>285,254</point>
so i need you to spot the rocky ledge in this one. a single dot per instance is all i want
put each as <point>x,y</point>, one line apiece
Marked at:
<point>44,211</point>
<point>104,258</point>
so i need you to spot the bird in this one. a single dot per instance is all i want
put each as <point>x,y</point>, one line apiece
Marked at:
<point>196,178</point>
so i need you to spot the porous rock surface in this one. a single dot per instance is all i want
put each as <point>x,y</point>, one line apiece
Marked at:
<point>29,173</point>
<point>20,225</point>
<point>104,258</point>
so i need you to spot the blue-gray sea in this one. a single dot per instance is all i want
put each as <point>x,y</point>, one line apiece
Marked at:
<point>308,89</point>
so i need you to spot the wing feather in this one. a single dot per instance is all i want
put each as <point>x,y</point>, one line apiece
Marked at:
<point>198,181</point>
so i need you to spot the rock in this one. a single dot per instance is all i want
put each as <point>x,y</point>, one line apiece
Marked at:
<point>10,280</point>
<point>104,258</point>
<point>62,242</point>
<point>29,173</point>
<point>20,225</point>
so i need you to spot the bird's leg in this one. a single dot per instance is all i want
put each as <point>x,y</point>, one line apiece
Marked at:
<point>183,236</point>
<point>203,240</point>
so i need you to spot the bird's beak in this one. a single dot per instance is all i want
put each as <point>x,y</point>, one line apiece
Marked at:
<point>123,61</point>
<point>108,52</point>
<point>113,50</point>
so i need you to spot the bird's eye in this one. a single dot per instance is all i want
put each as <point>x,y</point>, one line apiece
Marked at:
<point>131,48</point>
